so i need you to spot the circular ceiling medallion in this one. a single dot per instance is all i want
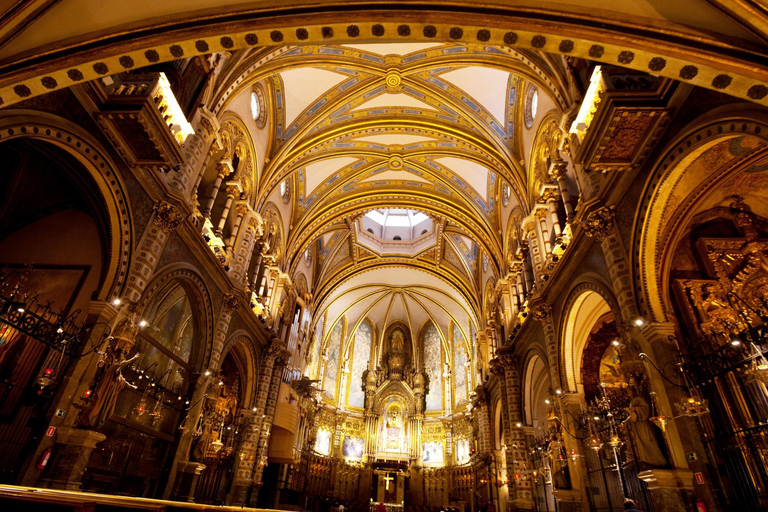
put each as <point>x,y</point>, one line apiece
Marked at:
<point>393,79</point>
<point>396,162</point>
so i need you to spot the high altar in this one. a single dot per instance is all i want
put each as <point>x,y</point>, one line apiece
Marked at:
<point>409,422</point>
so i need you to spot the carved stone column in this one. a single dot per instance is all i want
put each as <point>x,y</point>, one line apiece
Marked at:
<point>223,169</point>
<point>520,491</point>
<point>233,189</point>
<point>550,196</point>
<point>275,358</point>
<point>166,219</point>
<point>541,215</point>
<point>246,457</point>
<point>558,171</point>
<point>243,248</point>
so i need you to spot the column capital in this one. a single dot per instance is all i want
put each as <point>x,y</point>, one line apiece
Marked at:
<point>167,217</point>
<point>230,302</point>
<point>599,223</point>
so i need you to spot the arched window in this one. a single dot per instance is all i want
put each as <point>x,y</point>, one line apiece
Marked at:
<point>531,105</point>
<point>255,106</point>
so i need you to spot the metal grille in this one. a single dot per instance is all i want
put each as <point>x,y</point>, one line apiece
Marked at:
<point>30,344</point>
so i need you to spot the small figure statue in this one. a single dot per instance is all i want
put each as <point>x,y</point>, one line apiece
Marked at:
<point>648,450</point>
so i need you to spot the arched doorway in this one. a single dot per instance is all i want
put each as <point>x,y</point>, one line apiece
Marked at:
<point>54,254</point>
<point>154,380</point>
<point>617,438</point>
<point>539,403</point>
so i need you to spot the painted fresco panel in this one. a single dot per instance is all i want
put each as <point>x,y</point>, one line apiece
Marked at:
<point>459,369</point>
<point>360,355</point>
<point>432,367</point>
<point>332,365</point>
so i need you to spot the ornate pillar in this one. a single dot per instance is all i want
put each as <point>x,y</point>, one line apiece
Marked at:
<point>223,169</point>
<point>230,304</point>
<point>246,482</point>
<point>550,196</point>
<point>245,458</point>
<point>233,189</point>
<point>541,214</point>
<point>558,171</point>
<point>280,359</point>
<point>241,210</point>
<point>243,247</point>
<point>531,235</point>
<point>212,150</point>
<point>165,219</point>
<point>520,491</point>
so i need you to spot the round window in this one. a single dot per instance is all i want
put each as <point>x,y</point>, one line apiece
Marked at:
<point>506,192</point>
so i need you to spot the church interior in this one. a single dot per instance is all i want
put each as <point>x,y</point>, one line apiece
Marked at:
<point>409,256</point>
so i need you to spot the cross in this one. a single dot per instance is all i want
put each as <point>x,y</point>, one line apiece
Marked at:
<point>387,479</point>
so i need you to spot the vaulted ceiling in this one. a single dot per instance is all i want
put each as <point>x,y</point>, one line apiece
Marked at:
<point>391,160</point>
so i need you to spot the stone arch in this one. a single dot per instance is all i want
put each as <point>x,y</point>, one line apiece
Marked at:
<point>714,66</point>
<point>274,224</point>
<point>536,386</point>
<point>241,143</point>
<point>199,296</point>
<point>587,301</point>
<point>97,162</point>
<point>715,148</point>
<point>544,146</point>
<point>242,347</point>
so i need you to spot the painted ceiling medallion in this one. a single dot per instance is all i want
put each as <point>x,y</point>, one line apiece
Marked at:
<point>396,162</point>
<point>393,80</point>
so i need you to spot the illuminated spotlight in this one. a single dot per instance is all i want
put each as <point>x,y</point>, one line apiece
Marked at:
<point>735,342</point>
<point>143,323</point>
<point>116,301</point>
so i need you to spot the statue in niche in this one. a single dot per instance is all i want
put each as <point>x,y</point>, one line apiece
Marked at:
<point>648,450</point>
